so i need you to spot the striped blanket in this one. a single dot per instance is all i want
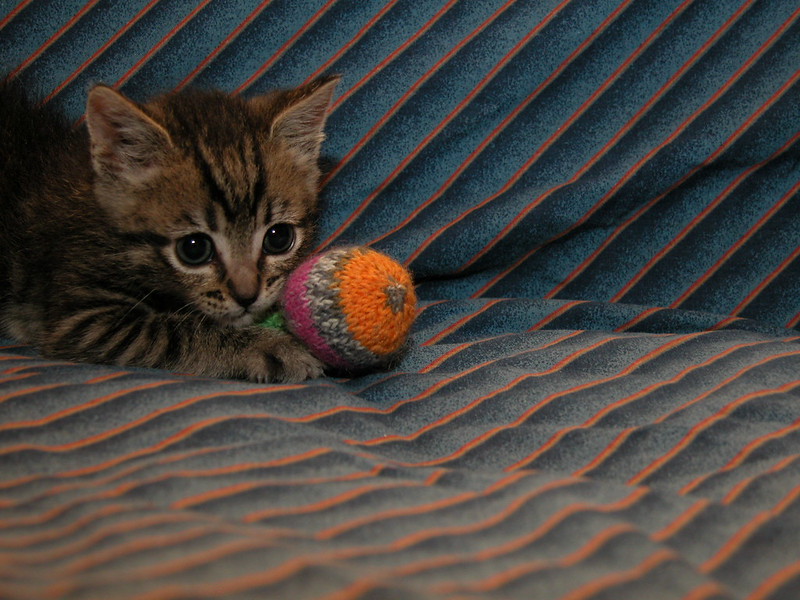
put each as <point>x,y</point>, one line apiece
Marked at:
<point>600,202</point>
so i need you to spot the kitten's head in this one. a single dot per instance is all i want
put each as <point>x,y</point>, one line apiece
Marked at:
<point>212,195</point>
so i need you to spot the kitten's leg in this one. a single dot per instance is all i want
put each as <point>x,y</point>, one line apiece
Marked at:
<point>190,343</point>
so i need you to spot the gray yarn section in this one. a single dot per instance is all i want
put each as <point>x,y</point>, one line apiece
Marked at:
<point>328,314</point>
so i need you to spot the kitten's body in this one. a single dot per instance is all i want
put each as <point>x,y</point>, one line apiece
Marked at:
<point>105,230</point>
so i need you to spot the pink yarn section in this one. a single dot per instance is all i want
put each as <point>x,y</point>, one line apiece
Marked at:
<point>299,315</point>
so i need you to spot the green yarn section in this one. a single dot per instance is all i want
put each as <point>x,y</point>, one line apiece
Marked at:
<point>275,320</point>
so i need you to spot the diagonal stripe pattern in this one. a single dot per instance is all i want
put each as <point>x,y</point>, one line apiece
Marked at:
<point>599,200</point>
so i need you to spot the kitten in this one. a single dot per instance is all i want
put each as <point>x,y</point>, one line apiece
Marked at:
<point>159,233</point>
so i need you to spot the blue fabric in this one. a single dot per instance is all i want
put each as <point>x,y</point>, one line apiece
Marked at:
<point>599,201</point>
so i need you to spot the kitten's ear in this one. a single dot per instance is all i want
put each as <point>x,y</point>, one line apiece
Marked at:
<point>126,143</point>
<point>300,125</point>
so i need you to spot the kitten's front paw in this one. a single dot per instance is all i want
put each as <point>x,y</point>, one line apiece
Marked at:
<point>280,357</point>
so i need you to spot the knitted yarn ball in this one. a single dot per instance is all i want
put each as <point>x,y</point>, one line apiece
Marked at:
<point>352,306</point>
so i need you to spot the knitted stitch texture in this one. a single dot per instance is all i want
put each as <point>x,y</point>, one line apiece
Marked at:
<point>352,306</point>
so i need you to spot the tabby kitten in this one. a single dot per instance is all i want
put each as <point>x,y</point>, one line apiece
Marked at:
<point>157,235</point>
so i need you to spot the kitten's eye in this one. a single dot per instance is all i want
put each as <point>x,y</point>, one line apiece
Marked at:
<point>279,238</point>
<point>195,249</point>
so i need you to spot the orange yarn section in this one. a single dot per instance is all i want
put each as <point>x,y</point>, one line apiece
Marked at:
<point>378,300</point>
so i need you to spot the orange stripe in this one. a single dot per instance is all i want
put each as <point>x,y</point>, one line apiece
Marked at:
<point>724,323</point>
<point>51,534</point>
<point>557,313</point>
<point>353,41</point>
<point>451,328</point>
<point>249,581</point>
<point>433,133</point>
<point>709,589</point>
<point>393,55</point>
<point>622,227</point>
<point>596,94</point>
<point>224,44</point>
<point>492,432</point>
<point>767,281</point>
<point>57,490</point>
<point>53,38</point>
<point>110,530</point>
<point>707,210</point>
<point>49,515</point>
<point>449,417</point>
<point>109,433</point>
<point>108,377</point>
<point>119,474</point>
<point>163,42</point>
<point>418,537</point>
<point>701,426</point>
<point>787,501</point>
<point>375,410</point>
<point>478,441</point>
<point>609,408</point>
<point>339,499</point>
<point>293,566</point>
<point>670,83</point>
<point>71,77</point>
<point>526,568</point>
<point>735,542</point>
<point>226,587</point>
<point>609,450</point>
<point>25,391</point>
<point>645,314</point>
<point>793,321</point>
<point>656,559</point>
<point>740,487</point>
<point>14,12</point>
<point>739,243</point>
<point>355,590</point>
<point>247,486</point>
<point>88,557</point>
<point>5,358</point>
<point>774,582</point>
<point>682,521</point>
<point>629,175</point>
<point>425,393</point>
<point>586,551</point>
<point>92,560</point>
<point>38,364</point>
<point>742,455</point>
<point>625,434</point>
<point>288,44</point>
<point>496,132</point>
<point>728,84</point>
<point>739,131</point>
<point>391,112</point>
<point>426,508</point>
<point>458,349</point>
<point>58,415</point>
<point>732,378</point>
<point>461,374</point>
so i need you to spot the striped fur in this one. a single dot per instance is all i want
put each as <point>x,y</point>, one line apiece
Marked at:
<point>110,213</point>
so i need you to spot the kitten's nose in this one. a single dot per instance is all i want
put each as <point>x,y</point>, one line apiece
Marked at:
<point>244,285</point>
<point>244,301</point>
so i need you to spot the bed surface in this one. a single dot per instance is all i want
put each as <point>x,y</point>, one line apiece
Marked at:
<point>599,201</point>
